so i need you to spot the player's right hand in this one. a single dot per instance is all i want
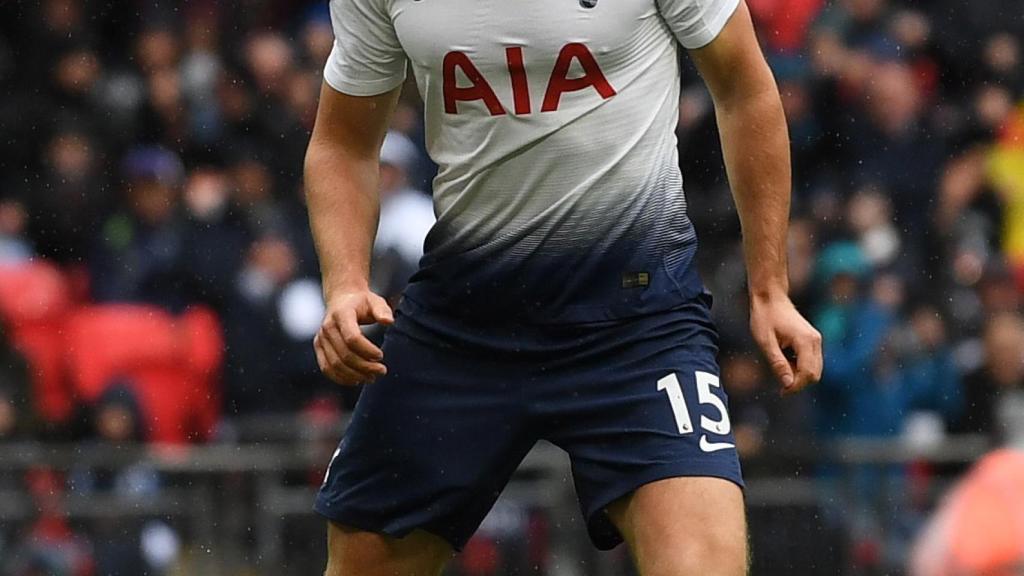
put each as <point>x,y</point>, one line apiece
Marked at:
<point>344,354</point>
<point>777,326</point>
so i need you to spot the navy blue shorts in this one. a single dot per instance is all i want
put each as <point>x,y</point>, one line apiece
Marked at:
<point>432,444</point>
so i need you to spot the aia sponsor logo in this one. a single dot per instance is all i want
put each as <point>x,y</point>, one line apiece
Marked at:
<point>559,83</point>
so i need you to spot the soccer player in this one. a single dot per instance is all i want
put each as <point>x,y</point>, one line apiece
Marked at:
<point>557,298</point>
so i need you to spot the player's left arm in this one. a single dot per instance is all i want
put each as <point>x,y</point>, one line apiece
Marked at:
<point>755,143</point>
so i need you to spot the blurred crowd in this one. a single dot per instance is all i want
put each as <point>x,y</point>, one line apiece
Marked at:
<point>151,155</point>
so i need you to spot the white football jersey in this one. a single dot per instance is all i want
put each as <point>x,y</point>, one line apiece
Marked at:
<point>558,195</point>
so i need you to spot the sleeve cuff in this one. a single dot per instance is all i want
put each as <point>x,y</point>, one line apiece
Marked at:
<point>361,87</point>
<point>713,24</point>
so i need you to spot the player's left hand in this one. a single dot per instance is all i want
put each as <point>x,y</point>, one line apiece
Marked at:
<point>777,326</point>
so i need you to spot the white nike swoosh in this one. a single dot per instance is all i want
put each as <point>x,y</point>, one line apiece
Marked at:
<point>713,446</point>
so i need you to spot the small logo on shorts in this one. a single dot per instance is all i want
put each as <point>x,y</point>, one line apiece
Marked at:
<point>708,446</point>
<point>327,474</point>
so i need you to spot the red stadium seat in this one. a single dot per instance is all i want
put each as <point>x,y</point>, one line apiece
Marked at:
<point>34,303</point>
<point>786,21</point>
<point>172,363</point>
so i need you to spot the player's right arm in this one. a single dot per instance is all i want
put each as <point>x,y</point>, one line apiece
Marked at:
<point>341,177</point>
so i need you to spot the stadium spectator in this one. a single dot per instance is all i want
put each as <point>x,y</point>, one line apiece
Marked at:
<point>853,329</point>
<point>66,203</point>
<point>118,546</point>
<point>763,421</point>
<point>15,247</point>
<point>1001,374</point>
<point>926,378</point>
<point>216,237</point>
<point>893,131</point>
<point>406,215</point>
<point>750,418</point>
<point>137,253</point>
<point>869,213</point>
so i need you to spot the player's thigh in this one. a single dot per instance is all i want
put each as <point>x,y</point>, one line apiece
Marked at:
<point>357,553</point>
<point>685,526</point>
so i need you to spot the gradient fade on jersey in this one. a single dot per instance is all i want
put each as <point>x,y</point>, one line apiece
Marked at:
<point>572,214</point>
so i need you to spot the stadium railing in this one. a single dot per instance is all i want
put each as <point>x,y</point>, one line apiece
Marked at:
<point>240,502</point>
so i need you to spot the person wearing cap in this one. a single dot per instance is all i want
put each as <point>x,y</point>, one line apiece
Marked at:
<point>138,251</point>
<point>406,215</point>
<point>853,329</point>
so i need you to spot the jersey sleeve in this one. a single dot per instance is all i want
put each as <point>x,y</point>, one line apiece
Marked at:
<point>695,23</point>
<point>367,58</point>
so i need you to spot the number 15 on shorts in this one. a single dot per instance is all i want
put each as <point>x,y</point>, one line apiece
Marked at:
<point>721,426</point>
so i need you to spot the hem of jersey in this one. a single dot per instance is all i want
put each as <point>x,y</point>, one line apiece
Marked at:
<point>600,528</point>
<point>712,26</point>
<point>353,87</point>
<point>351,519</point>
